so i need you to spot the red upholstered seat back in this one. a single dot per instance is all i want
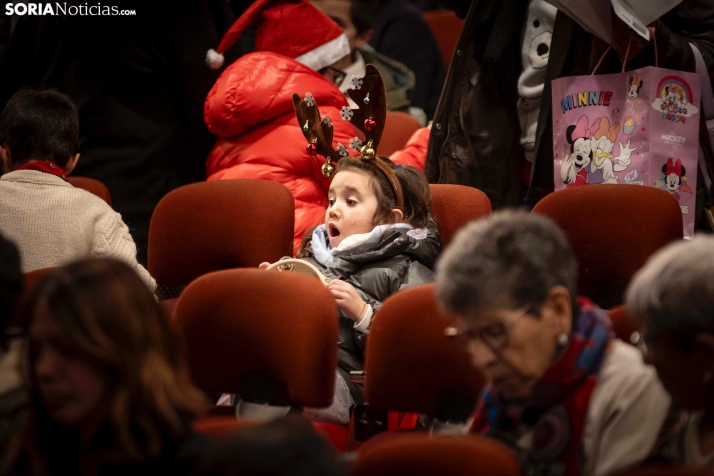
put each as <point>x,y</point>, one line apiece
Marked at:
<point>613,229</point>
<point>210,226</point>
<point>453,206</point>
<point>419,453</point>
<point>409,365</point>
<point>398,129</point>
<point>242,322</point>
<point>32,278</point>
<point>92,186</point>
<point>447,29</point>
<point>622,323</point>
<point>223,426</point>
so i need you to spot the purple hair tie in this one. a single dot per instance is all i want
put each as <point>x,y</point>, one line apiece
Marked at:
<point>399,166</point>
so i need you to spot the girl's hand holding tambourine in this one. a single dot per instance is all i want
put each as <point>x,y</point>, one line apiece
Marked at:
<point>347,299</point>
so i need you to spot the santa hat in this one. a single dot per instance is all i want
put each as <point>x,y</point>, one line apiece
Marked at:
<point>291,28</point>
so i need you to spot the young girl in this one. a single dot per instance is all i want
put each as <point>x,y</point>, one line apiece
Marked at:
<point>377,237</point>
<point>369,248</point>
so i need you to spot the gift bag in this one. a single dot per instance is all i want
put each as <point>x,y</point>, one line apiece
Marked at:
<point>639,127</point>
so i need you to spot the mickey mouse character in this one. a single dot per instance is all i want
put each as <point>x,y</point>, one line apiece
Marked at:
<point>573,169</point>
<point>671,99</point>
<point>635,85</point>
<point>673,177</point>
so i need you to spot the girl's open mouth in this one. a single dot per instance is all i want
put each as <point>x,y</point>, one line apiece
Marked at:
<point>332,230</point>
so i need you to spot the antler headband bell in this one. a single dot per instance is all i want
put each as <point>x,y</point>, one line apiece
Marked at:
<point>318,133</point>
<point>369,119</point>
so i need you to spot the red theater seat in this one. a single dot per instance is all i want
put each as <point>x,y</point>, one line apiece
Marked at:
<point>420,453</point>
<point>613,229</point>
<point>92,186</point>
<point>453,206</point>
<point>447,30</point>
<point>242,323</point>
<point>31,280</point>
<point>210,226</point>
<point>222,426</point>
<point>622,323</point>
<point>398,129</point>
<point>410,366</point>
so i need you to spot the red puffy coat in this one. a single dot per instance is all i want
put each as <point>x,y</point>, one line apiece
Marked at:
<point>250,108</point>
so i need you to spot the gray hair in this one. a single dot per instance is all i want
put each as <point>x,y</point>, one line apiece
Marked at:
<point>509,259</point>
<point>674,292</point>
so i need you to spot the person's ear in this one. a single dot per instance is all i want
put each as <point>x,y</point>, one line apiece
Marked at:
<point>71,164</point>
<point>398,215</point>
<point>560,305</point>
<point>6,158</point>
<point>363,38</point>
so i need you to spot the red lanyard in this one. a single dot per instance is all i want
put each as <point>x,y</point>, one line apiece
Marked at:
<point>44,166</point>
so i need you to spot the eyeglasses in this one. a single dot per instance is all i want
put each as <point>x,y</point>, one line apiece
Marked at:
<point>338,76</point>
<point>495,336</point>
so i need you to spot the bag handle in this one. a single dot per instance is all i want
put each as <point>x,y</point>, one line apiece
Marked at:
<point>627,53</point>
<point>707,95</point>
<point>707,104</point>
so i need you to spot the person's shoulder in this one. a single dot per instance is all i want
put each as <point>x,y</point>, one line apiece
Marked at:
<point>88,201</point>
<point>623,360</point>
<point>624,374</point>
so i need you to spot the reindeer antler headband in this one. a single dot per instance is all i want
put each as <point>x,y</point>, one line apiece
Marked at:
<point>370,95</point>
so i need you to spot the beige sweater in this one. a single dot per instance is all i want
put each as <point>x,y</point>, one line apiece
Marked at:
<point>626,411</point>
<point>54,223</point>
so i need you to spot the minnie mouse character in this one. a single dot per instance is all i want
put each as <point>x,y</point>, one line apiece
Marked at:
<point>573,168</point>
<point>635,85</point>
<point>673,178</point>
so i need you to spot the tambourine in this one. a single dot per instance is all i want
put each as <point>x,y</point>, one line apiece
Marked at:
<point>299,266</point>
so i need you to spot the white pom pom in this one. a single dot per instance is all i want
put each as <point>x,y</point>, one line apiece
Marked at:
<point>214,60</point>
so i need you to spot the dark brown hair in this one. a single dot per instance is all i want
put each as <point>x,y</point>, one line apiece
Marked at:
<point>112,320</point>
<point>40,125</point>
<point>415,187</point>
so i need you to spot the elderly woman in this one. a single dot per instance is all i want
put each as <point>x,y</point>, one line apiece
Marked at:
<point>672,298</point>
<point>567,396</point>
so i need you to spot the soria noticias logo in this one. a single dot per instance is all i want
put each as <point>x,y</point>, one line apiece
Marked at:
<point>64,9</point>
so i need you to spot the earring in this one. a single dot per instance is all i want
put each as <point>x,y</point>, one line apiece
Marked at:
<point>707,377</point>
<point>563,339</point>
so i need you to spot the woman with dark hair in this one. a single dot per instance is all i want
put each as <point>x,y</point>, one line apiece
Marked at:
<point>112,393</point>
<point>672,298</point>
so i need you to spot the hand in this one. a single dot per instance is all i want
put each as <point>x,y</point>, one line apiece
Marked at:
<point>264,265</point>
<point>685,209</point>
<point>621,32</point>
<point>347,298</point>
<point>626,151</point>
<point>624,157</point>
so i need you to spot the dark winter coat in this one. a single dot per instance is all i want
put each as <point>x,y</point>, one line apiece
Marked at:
<point>399,258</point>
<point>475,136</point>
<point>401,33</point>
